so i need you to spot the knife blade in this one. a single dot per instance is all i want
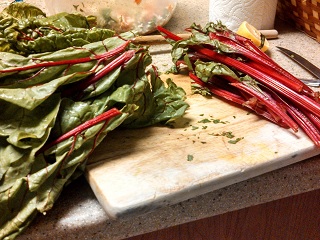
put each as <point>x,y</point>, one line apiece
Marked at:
<point>311,82</point>
<point>314,70</point>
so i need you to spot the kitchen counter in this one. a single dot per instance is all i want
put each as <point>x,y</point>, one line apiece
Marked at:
<point>78,215</point>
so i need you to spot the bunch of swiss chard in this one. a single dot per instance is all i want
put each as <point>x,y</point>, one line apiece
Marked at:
<point>56,107</point>
<point>25,29</point>
<point>224,64</point>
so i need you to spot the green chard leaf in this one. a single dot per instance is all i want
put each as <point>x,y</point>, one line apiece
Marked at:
<point>37,110</point>
<point>25,29</point>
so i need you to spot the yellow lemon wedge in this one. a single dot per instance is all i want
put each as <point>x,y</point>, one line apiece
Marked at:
<point>249,31</point>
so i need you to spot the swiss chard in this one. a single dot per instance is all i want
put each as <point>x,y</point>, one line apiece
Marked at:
<point>230,66</point>
<point>56,107</point>
<point>25,29</point>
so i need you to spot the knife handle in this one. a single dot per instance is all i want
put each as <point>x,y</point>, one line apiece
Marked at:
<point>270,34</point>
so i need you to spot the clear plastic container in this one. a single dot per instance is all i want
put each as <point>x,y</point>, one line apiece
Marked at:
<point>120,15</point>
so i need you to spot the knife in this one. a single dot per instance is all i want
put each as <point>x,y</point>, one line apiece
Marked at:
<point>311,82</point>
<point>314,70</point>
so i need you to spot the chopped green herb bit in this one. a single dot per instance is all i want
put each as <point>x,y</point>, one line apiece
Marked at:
<point>204,127</point>
<point>204,121</point>
<point>224,134</point>
<point>190,157</point>
<point>228,134</point>
<point>194,127</point>
<point>219,121</point>
<point>214,134</point>
<point>235,140</point>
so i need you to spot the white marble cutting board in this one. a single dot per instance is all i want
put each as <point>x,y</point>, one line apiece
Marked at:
<point>136,171</point>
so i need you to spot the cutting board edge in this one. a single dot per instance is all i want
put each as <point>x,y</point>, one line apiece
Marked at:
<point>166,200</point>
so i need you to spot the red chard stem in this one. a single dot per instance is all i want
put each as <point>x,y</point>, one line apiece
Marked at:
<point>82,127</point>
<point>105,55</point>
<point>274,93</point>
<point>80,87</point>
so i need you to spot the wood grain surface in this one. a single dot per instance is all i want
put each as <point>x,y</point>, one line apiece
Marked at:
<point>292,218</point>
